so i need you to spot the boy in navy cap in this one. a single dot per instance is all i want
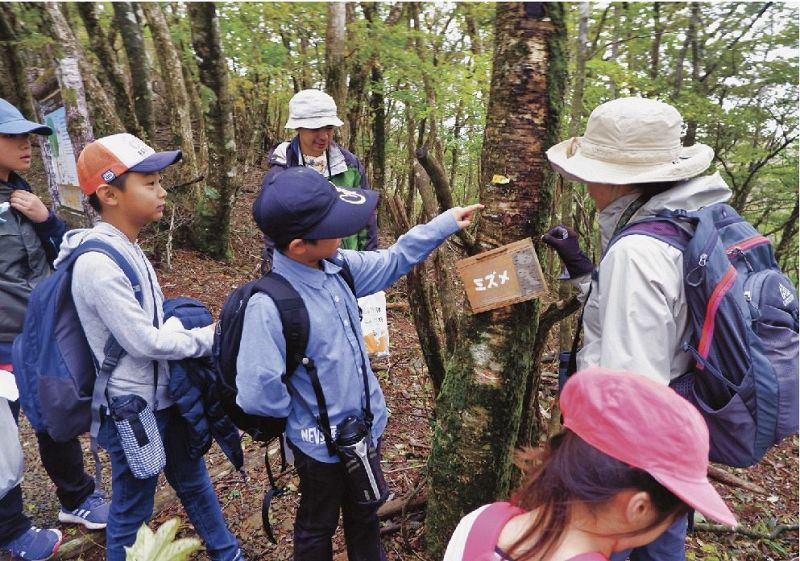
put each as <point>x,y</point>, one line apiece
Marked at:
<point>306,216</point>
<point>121,176</point>
<point>30,235</point>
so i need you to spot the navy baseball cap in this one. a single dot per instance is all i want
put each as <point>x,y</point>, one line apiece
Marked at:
<point>12,122</point>
<point>300,203</point>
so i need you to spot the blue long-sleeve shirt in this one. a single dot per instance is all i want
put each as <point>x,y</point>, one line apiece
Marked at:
<point>335,340</point>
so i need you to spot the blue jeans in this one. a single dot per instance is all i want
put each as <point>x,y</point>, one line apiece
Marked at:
<point>669,546</point>
<point>132,499</point>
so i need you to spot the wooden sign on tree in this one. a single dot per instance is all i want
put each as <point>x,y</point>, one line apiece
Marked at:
<point>503,276</point>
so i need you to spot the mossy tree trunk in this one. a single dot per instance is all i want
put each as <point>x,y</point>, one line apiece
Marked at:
<point>14,86</point>
<point>133,42</point>
<point>104,117</point>
<point>336,61</point>
<point>108,65</point>
<point>177,96</point>
<point>479,408</point>
<point>211,226</point>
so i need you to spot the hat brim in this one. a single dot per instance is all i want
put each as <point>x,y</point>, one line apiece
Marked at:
<point>700,495</point>
<point>23,126</point>
<point>313,122</point>
<point>692,161</point>
<point>157,162</point>
<point>347,216</point>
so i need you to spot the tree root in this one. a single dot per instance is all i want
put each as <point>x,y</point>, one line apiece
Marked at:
<point>719,474</point>
<point>747,532</point>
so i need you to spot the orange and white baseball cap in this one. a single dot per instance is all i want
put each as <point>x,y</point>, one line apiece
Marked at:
<point>105,159</point>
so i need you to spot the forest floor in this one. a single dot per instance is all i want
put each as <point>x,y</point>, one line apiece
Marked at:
<point>769,521</point>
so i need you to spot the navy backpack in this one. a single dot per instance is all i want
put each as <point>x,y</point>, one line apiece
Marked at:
<point>53,363</point>
<point>744,337</point>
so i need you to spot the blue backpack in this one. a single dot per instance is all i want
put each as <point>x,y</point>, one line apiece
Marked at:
<point>53,363</point>
<point>744,338</point>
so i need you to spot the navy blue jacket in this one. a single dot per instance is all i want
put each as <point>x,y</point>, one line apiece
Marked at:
<point>193,386</point>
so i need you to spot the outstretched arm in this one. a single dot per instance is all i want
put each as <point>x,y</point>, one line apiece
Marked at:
<point>376,270</point>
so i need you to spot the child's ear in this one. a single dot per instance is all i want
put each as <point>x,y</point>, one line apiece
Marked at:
<point>639,509</point>
<point>107,195</point>
<point>297,247</point>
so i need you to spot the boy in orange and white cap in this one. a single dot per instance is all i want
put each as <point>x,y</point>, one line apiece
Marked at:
<point>121,176</point>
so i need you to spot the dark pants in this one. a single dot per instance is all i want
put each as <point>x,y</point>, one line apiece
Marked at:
<point>63,462</point>
<point>12,520</point>
<point>322,495</point>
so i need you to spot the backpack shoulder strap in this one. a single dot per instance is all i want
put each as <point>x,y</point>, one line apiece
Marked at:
<point>482,536</point>
<point>113,351</point>
<point>663,227</point>
<point>106,249</point>
<point>293,313</point>
<point>344,272</point>
<point>294,318</point>
<point>347,275</point>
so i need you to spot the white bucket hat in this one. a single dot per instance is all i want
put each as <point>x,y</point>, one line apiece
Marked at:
<point>630,140</point>
<point>312,109</point>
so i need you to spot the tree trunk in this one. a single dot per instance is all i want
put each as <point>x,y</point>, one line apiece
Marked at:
<point>177,96</point>
<point>212,221</point>
<point>421,302</point>
<point>14,86</point>
<point>335,63</point>
<point>566,325</point>
<point>432,139</point>
<point>377,108</point>
<point>101,47</point>
<point>787,247</point>
<point>70,82</point>
<point>133,42</point>
<point>478,410</point>
<point>358,70</point>
<point>104,117</point>
<point>616,38</point>
<point>677,80</point>
<point>694,26</point>
<point>442,263</point>
<point>655,46</point>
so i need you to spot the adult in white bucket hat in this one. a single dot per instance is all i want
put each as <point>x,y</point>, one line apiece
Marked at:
<point>313,114</point>
<point>634,165</point>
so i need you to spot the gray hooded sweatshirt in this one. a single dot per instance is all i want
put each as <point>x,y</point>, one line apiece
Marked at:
<point>106,305</point>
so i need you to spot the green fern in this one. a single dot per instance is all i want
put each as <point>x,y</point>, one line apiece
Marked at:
<point>159,545</point>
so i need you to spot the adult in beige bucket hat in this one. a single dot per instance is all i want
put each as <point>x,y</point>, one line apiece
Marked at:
<point>636,314</point>
<point>630,140</point>
<point>313,114</point>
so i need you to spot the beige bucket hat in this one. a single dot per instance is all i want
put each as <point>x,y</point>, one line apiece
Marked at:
<point>312,109</point>
<point>630,140</point>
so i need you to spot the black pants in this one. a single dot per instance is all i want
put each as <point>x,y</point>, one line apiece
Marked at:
<point>63,462</point>
<point>322,495</point>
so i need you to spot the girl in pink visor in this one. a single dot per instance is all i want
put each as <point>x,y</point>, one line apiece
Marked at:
<point>632,459</point>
